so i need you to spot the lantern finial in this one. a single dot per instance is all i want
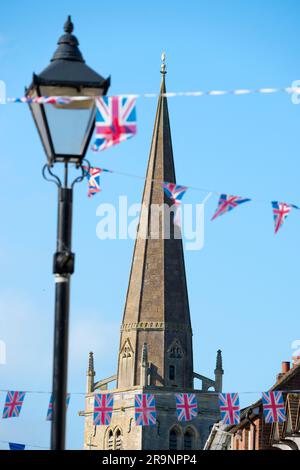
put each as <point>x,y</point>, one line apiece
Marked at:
<point>68,26</point>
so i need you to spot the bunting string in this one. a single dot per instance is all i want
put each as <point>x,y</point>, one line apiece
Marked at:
<point>237,92</point>
<point>193,188</point>
<point>226,202</point>
<point>209,393</point>
<point>15,399</point>
<point>273,407</point>
<point>186,406</point>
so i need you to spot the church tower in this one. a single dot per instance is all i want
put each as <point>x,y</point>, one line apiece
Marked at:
<point>155,353</point>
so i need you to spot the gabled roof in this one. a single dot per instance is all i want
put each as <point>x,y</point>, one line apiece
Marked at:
<point>279,385</point>
<point>292,405</point>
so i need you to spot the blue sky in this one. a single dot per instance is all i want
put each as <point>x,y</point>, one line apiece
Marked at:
<point>243,285</point>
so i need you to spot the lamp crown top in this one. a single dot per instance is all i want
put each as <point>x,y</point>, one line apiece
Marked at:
<point>69,26</point>
<point>68,45</point>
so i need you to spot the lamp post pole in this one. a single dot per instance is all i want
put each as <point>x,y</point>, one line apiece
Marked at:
<point>65,130</point>
<point>63,268</point>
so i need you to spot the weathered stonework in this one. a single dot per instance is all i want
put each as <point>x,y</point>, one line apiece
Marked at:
<point>153,437</point>
<point>155,352</point>
<point>152,325</point>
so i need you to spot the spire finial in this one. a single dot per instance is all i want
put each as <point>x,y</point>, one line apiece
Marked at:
<point>68,26</point>
<point>163,67</point>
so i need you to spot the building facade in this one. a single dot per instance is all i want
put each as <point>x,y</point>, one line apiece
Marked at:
<point>155,352</point>
<point>253,433</point>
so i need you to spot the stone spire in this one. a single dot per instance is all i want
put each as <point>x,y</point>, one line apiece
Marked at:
<point>90,374</point>
<point>157,307</point>
<point>219,372</point>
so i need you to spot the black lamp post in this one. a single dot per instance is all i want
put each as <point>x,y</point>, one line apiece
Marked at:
<point>65,131</point>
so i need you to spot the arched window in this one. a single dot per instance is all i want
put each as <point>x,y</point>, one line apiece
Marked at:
<point>173,439</point>
<point>110,440</point>
<point>188,440</point>
<point>172,372</point>
<point>118,440</point>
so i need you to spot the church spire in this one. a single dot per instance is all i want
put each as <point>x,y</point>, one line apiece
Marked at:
<point>157,308</point>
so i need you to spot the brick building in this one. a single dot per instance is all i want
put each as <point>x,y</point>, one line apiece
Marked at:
<point>252,433</point>
<point>155,352</point>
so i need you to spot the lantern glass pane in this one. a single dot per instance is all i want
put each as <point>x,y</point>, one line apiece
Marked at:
<point>38,117</point>
<point>69,128</point>
<point>65,129</point>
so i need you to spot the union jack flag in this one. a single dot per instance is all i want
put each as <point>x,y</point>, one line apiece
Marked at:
<point>227,203</point>
<point>93,177</point>
<point>115,121</point>
<point>229,407</point>
<point>13,404</point>
<point>273,407</point>
<point>15,446</point>
<point>145,409</point>
<point>280,212</point>
<point>186,406</point>
<point>175,193</point>
<point>103,408</point>
<point>50,407</point>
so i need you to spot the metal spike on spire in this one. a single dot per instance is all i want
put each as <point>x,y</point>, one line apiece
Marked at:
<point>163,67</point>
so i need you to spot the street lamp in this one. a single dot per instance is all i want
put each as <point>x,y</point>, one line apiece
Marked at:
<point>65,131</point>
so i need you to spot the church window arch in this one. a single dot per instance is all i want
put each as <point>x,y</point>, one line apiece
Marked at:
<point>118,439</point>
<point>110,440</point>
<point>189,439</point>
<point>174,438</point>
